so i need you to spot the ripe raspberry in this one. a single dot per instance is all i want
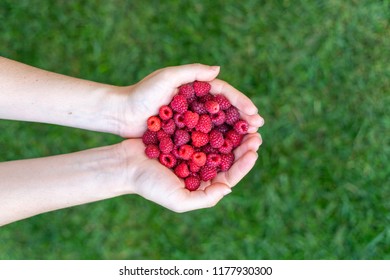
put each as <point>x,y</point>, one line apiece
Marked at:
<point>201,88</point>
<point>161,134</point>
<point>218,118</point>
<point>154,123</point>
<point>185,152</point>
<point>241,127</point>
<point>213,160</point>
<point>212,107</point>
<point>226,161</point>
<point>223,128</point>
<point>169,126</point>
<point>187,91</point>
<point>166,145</point>
<point>207,173</point>
<point>179,120</point>
<point>181,137</point>
<point>149,137</point>
<point>226,147</point>
<point>192,183</point>
<point>165,112</point>
<point>216,139</point>
<point>205,98</point>
<point>233,136</point>
<point>181,170</point>
<point>179,104</point>
<point>198,107</point>
<point>222,101</point>
<point>199,139</point>
<point>209,150</point>
<point>193,167</point>
<point>175,152</point>
<point>191,119</point>
<point>232,115</point>
<point>167,160</point>
<point>204,124</point>
<point>152,151</point>
<point>199,158</point>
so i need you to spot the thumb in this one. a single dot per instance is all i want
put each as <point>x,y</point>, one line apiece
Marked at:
<point>188,73</point>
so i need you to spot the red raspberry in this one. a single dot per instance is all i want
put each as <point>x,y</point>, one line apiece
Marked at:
<point>209,150</point>
<point>199,158</point>
<point>222,101</point>
<point>187,91</point>
<point>223,128</point>
<point>186,152</point>
<point>161,134</point>
<point>207,97</point>
<point>169,126</point>
<point>212,107</point>
<point>213,160</point>
<point>181,170</point>
<point>232,115</point>
<point>201,88</point>
<point>167,160</point>
<point>226,161</point>
<point>204,124</point>
<point>175,152</point>
<point>150,137</point>
<point>226,147</point>
<point>152,151</point>
<point>165,113</point>
<point>192,183</point>
<point>198,108</point>
<point>179,120</point>
<point>219,118</point>
<point>241,127</point>
<point>233,136</point>
<point>199,139</point>
<point>179,104</point>
<point>181,137</point>
<point>193,167</point>
<point>191,119</point>
<point>154,123</point>
<point>207,173</point>
<point>166,145</point>
<point>216,139</point>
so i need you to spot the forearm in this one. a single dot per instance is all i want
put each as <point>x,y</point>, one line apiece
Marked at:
<point>31,94</point>
<point>34,186</point>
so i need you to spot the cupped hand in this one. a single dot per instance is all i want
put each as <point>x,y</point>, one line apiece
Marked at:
<point>144,99</point>
<point>153,181</point>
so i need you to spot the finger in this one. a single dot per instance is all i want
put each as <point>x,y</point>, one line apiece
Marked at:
<point>240,168</point>
<point>254,121</point>
<point>251,142</point>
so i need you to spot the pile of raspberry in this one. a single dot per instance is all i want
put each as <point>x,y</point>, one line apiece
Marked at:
<point>195,134</point>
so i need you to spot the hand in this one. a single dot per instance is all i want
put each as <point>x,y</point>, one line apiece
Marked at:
<point>143,99</point>
<point>153,181</point>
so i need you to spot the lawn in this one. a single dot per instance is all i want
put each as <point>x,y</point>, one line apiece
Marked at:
<point>319,72</point>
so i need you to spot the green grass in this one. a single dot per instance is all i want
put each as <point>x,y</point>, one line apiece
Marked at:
<point>319,73</point>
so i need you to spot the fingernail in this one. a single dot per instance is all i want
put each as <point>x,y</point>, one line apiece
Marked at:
<point>215,68</point>
<point>226,191</point>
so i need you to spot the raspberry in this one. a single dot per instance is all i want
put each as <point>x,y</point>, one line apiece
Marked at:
<point>207,97</point>
<point>181,137</point>
<point>150,137</point>
<point>191,119</point>
<point>216,139</point>
<point>185,152</point>
<point>181,170</point>
<point>169,126</point>
<point>241,127</point>
<point>222,101</point>
<point>209,150</point>
<point>199,139</point>
<point>226,147</point>
<point>226,161</point>
<point>175,152</point>
<point>223,128</point>
<point>207,173</point>
<point>179,120</point>
<point>167,160</point>
<point>201,88</point>
<point>213,160</point>
<point>165,112</point>
<point>232,115</point>
<point>161,134</point>
<point>187,91</point>
<point>152,151</point>
<point>166,145</point>
<point>198,108</point>
<point>233,136</point>
<point>218,118</point>
<point>199,158</point>
<point>179,104</point>
<point>212,107</point>
<point>154,123</point>
<point>193,167</point>
<point>192,183</point>
<point>204,124</point>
